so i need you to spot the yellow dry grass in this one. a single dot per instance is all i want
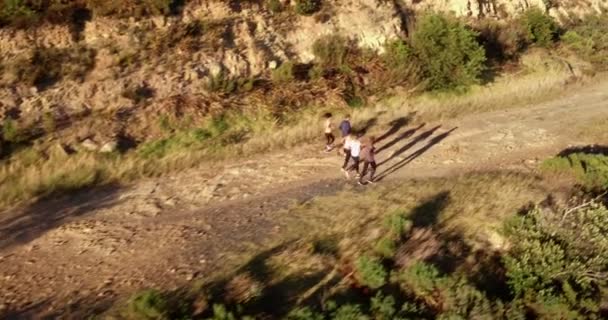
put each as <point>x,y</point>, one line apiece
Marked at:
<point>593,132</point>
<point>472,205</point>
<point>325,235</point>
<point>29,174</point>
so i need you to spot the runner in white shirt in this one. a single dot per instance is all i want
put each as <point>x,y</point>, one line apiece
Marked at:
<point>347,145</point>
<point>329,136</point>
<point>355,151</point>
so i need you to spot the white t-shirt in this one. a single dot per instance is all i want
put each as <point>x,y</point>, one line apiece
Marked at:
<point>355,148</point>
<point>347,142</point>
<point>328,126</point>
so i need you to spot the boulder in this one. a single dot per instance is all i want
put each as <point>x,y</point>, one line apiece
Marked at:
<point>89,145</point>
<point>109,147</point>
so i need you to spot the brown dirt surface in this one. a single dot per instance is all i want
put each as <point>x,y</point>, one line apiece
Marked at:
<point>74,254</point>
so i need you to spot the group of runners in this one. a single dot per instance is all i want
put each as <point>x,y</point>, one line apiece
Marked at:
<point>355,148</point>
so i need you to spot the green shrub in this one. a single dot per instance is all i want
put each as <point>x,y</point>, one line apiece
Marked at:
<point>541,28</point>
<point>331,51</point>
<point>307,7</point>
<point>349,312</point>
<point>401,64</point>
<point>304,314</point>
<point>397,54</point>
<point>15,12</point>
<point>589,39</point>
<point>371,272</point>
<point>560,260</point>
<point>591,170</point>
<point>386,247</point>
<point>452,296</point>
<point>383,307</point>
<point>284,73</point>
<point>11,131</point>
<point>397,224</point>
<point>220,312</point>
<point>149,304</point>
<point>448,51</point>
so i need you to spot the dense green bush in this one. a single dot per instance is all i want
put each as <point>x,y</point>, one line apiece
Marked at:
<point>307,7</point>
<point>371,272</point>
<point>589,39</point>
<point>560,261</point>
<point>396,226</point>
<point>402,65</point>
<point>591,170</point>
<point>541,28</point>
<point>449,296</point>
<point>398,54</point>
<point>148,305</point>
<point>448,51</point>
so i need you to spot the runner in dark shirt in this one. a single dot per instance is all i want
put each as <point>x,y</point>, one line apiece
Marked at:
<point>369,161</point>
<point>345,127</point>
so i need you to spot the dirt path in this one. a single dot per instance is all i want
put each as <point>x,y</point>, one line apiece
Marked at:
<point>82,251</point>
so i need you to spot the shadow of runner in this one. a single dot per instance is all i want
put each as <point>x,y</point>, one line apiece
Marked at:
<point>592,149</point>
<point>421,137</point>
<point>415,155</point>
<point>52,211</point>
<point>280,292</point>
<point>427,214</point>
<point>364,127</point>
<point>396,125</point>
<point>406,134</point>
<point>82,308</point>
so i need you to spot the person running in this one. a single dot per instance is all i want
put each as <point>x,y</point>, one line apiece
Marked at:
<point>355,152</point>
<point>329,136</point>
<point>369,161</point>
<point>345,127</point>
<point>346,149</point>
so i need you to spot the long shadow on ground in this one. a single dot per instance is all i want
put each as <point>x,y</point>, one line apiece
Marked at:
<point>419,138</point>
<point>51,212</point>
<point>417,153</point>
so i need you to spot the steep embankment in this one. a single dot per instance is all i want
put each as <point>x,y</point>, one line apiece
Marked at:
<point>141,70</point>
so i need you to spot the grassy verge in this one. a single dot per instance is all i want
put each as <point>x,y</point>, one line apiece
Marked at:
<point>451,248</point>
<point>41,170</point>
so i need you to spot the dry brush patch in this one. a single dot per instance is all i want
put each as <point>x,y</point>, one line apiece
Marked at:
<point>328,254</point>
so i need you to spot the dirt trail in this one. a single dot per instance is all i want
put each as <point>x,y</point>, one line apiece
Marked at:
<point>82,251</point>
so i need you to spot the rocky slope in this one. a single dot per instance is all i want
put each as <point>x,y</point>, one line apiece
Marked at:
<point>165,63</point>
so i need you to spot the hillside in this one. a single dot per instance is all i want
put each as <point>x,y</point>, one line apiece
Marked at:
<point>162,159</point>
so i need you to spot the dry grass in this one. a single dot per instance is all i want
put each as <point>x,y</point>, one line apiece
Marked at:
<point>330,232</point>
<point>542,77</point>
<point>257,130</point>
<point>593,132</point>
<point>473,205</point>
